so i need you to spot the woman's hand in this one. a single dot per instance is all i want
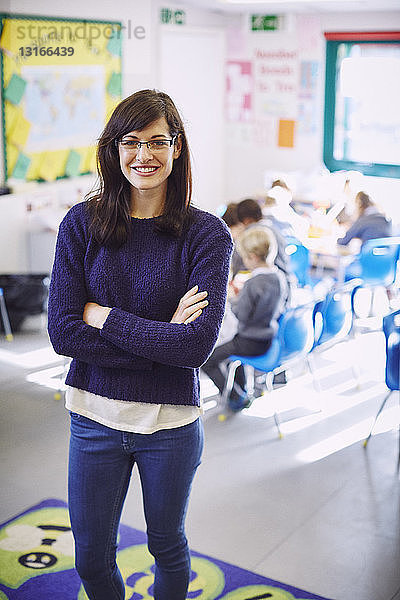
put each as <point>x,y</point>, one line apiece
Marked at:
<point>95,315</point>
<point>190,306</point>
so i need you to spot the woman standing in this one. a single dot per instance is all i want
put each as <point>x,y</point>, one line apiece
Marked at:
<point>133,267</point>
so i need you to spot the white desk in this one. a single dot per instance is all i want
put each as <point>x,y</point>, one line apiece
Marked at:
<point>327,254</point>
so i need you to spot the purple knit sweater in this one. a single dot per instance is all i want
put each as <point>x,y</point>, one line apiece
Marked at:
<point>138,355</point>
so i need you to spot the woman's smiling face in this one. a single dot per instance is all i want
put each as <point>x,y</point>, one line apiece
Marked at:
<point>144,168</point>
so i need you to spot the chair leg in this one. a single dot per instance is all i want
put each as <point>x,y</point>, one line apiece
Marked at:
<point>398,458</point>
<point>312,369</point>
<point>355,369</point>
<point>270,386</point>
<point>277,423</point>
<point>229,382</point>
<point>376,418</point>
<point>61,380</point>
<point>249,375</point>
<point>4,317</point>
<point>269,381</point>
<point>371,304</point>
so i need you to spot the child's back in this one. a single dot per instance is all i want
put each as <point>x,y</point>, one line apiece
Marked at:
<point>260,303</point>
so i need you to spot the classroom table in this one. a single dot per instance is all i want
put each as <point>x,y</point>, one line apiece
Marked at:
<point>326,254</point>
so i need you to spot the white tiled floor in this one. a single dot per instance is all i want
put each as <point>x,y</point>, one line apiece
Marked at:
<point>315,510</point>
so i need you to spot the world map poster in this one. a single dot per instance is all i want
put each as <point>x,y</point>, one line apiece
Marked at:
<point>61,79</point>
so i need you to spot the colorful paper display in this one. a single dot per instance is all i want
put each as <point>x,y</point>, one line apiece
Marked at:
<point>62,79</point>
<point>72,168</point>
<point>20,131</point>
<point>12,157</point>
<point>114,84</point>
<point>114,45</point>
<point>15,89</point>
<point>14,112</point>
<point>52,165</point>
<point>21,166</point>
<point>286,133</point>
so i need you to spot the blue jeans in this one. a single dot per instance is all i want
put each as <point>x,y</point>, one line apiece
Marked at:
<point>100,465</point>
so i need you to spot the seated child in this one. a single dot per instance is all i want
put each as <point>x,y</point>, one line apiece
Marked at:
<point>257,308</point>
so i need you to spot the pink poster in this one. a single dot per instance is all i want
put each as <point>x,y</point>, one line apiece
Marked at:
<point>239,90</point>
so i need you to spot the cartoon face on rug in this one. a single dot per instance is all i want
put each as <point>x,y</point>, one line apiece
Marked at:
<point>37,560</point>
<point>137,568</point>
<point>39,541</point>
<point>259,592</point>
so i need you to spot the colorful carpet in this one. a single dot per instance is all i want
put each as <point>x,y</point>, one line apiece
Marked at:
<point>36,563</point>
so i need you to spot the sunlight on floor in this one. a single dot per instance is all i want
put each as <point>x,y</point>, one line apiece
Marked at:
<point>339,391</point>
<point>388,420</point>
<point>53,378</point>
<point>207,388</point>
<point>209,404</point>
<point>30,360</point>
<point>324,405</point>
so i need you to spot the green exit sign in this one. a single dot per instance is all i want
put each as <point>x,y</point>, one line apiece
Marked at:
<point>264,22</point>
<point>169,16</point>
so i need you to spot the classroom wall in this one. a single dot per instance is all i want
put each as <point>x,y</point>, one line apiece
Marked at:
<point>27,237</point>
<point>140,53</point>
<point>283,75</point>
<point>131,14</point>
<point>246,150</point>
<point>136,73</point>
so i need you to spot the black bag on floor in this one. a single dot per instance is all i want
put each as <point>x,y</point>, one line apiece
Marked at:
<point>24,295</point>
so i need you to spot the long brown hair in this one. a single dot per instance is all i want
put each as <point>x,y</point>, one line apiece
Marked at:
<point>363,201</point>
<point>109,204</point>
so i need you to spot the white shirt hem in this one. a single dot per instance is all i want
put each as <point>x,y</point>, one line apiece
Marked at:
<point>138,417</point>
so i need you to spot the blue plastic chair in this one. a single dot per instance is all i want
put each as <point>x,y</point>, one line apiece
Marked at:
<point>333,322</point>
<point>332,315</point>
<point>378,261</point>
<point>376,265</point>
<point>332,318</point>
<point>299,260</point>
<point>293,341</point>
<point>391,329</point>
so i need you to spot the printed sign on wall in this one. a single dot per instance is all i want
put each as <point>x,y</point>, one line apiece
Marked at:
<point>239,90</point>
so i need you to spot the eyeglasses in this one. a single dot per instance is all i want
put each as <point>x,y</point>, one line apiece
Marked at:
<point>152,145</point>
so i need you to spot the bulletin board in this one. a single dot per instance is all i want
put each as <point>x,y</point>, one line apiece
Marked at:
<point>61,79</point>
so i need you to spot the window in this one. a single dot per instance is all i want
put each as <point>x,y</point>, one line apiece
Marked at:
<point>362,111</point>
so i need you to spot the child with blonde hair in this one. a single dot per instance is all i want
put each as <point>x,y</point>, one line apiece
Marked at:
<point>257,308</point>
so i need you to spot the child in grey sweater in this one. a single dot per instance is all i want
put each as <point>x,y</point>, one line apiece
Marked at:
<point>257,308</point>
